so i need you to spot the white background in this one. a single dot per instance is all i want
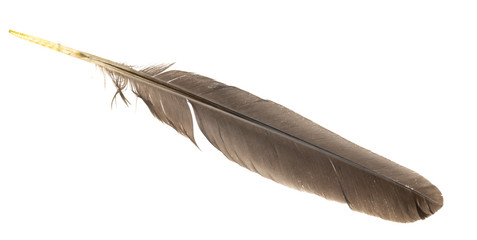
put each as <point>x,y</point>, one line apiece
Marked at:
<point>396,77</point>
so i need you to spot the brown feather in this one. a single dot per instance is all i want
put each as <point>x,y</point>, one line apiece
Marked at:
<point>274,141</point>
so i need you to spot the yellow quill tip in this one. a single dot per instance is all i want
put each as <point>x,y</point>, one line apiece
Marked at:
<point>51,45</point>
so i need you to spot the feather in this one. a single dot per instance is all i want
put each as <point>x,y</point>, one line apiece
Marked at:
<point>272,140</point>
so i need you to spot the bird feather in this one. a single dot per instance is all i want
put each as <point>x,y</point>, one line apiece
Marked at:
<point>272,140</point>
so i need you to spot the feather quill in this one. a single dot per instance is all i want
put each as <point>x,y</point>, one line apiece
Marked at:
<point>272,140</point>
